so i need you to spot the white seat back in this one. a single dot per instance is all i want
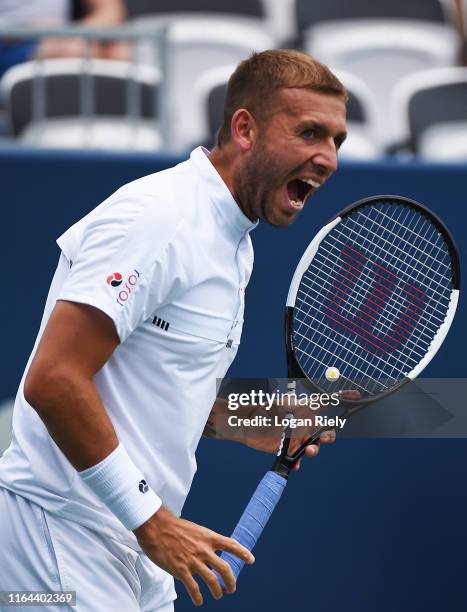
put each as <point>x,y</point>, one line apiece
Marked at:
<point>444,142</point>
<point>193,47</point>
<point>381,52</point>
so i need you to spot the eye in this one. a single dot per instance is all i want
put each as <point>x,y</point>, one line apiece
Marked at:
<point>308,134</point>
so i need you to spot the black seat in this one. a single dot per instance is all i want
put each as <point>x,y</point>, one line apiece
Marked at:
<point>309,13</point>
<point>439,104</point>
<point>251,8</point>
<point>63,84</point>
<point>429,100</point>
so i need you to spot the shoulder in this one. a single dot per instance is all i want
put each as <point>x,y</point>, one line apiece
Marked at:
<point>148,212</point>
<point>163,199</point>
<point>167,184</point>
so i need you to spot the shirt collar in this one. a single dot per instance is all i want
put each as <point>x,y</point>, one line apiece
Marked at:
<point>219,192</point>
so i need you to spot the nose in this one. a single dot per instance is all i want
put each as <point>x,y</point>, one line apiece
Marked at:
<point>325,155</point>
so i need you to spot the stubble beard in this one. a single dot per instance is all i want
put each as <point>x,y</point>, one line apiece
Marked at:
<point>259,170</point>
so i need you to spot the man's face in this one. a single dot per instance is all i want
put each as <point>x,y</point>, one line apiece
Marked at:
<point>294,154</point>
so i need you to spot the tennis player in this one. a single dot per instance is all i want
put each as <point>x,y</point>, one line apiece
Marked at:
<point>144,312</point>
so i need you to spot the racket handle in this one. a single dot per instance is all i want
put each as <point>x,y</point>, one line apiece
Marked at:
<point>254,518</point>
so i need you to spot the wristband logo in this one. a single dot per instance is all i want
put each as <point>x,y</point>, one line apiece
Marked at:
<point>143,486</point>
<point>114,279</point>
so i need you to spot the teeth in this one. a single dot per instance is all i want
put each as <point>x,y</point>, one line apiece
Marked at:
<point>311,182</point>
<point>296,203</point>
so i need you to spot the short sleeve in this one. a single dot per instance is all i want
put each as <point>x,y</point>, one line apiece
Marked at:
<point>123,261</point>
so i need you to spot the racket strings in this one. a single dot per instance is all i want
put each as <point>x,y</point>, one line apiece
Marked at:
<point>386,328</point>
<point>414,261</point>
<point>369,279</point>
<point>398,258</point>
<point>404,244</point>
<point>352,350</point>
<point>373,314</point>
<point>357,371</point>
<point>376,300</point>
<point>354,300</point>
<point>351,358</point>
<point>372,305</point>
<point>406,273</point>
<point>440,248</point>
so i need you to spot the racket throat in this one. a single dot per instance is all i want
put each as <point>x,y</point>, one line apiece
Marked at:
<point>283,466</point>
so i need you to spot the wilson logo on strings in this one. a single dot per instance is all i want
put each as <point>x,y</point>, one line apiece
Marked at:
<point>398,303</point>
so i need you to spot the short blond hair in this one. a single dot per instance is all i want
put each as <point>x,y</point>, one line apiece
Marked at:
<point>257,79</point>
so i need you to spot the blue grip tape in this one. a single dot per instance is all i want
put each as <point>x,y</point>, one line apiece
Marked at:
<point>254,518</point>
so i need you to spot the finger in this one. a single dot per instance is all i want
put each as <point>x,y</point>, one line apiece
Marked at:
<point>328,436</point>
<point>193,589</point>
<point>312,450</point>
<point>211,580</point>
<point>349,393</point>
<point>224,569</point>
<point>234,547</point>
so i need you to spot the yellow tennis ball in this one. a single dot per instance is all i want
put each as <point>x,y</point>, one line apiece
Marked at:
<point>332,374</point>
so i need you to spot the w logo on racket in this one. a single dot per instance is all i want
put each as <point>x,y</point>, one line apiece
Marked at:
<point>372,302</point>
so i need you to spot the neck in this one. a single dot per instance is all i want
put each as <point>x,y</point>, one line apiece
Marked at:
<point>227,163</point>
<point>224,162</point>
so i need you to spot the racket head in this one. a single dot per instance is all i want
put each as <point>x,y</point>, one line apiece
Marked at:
<point>374,296</point>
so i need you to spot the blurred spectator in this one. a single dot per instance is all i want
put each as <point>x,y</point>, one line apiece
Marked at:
<point>57,13</point>
<point>92,13</point>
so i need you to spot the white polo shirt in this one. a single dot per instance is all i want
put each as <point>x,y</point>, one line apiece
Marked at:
<point>168,258</point>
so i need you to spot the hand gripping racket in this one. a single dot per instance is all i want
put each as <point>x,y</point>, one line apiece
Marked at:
<point>373,296</point>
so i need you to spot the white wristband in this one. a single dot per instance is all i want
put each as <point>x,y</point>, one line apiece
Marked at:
<point>123,488</point>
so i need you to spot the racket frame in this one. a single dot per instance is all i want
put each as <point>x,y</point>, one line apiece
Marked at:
<point>271,487</point>
<point>285,462</point>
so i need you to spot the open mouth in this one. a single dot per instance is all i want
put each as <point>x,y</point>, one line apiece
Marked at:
<point>299,189</point>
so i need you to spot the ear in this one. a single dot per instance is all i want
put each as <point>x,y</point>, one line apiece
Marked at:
<point>243,129</point>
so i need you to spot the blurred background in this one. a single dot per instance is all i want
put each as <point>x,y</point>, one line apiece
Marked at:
<point>95,93</point>
<point>150,75</point>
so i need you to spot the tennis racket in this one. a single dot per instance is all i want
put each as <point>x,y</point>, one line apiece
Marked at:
<point>372,300</point>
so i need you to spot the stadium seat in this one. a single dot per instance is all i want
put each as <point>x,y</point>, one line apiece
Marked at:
<point>361,120</point>
<point>310,13</point>
<point>381,52</point>
<point>444,142</point>
<point>253,8</point>
<point>280,15</point>
<point>277,17</point>
<point>54,94</point>
<point>208,103</point>
<point>103,133</point>
<point>430,111</point>
<point>193,47</point>
<point>209,92</point>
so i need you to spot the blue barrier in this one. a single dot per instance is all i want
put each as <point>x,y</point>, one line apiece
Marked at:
<point>389,534</point>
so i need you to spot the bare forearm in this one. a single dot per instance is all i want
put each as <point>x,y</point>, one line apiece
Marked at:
<point>217,425</point>
<point>75,417</point>
<point>104,13</point>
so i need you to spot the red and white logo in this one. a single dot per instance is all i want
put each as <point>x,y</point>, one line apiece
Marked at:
<point>129,285</point>
<point>114,279</point>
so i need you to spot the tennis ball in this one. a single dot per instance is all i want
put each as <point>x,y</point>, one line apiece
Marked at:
<point>332,374</point>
